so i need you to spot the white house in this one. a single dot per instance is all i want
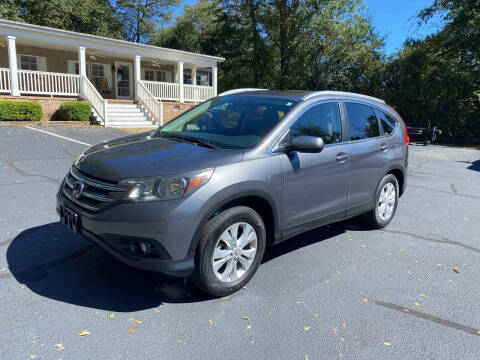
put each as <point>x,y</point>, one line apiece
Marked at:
<point>42,61</point>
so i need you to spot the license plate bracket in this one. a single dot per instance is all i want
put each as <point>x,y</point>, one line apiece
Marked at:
<point>70,219</point>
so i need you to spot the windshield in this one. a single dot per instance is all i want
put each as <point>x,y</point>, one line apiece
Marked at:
<point>230,122</point>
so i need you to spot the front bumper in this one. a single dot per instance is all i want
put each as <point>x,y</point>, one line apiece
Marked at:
<point>169,226</point>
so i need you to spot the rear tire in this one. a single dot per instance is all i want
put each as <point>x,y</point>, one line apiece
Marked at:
<point>386,201</point>
<point>230,251</point>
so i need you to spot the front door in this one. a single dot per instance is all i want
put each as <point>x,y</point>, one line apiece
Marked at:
<point>123,89</point>
<point>315,186</point>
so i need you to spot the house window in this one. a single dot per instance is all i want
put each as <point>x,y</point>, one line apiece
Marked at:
<point>97,70</point>
<point>202,80</point>
<point>149,75</point>
<point>161,76</point>
<point>77,68</point>
<point>28,62</point>
<point>187,78</point>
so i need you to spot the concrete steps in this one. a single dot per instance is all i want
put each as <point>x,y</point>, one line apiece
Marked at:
<point>128,115</point>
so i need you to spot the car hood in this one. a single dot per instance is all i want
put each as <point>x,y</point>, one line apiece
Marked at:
<point>144,155</point>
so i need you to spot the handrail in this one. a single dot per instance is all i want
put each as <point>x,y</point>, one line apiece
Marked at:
<point>153,105</point>
<point>197,93</point>
<point>162,90</point>
<point>88,91</point>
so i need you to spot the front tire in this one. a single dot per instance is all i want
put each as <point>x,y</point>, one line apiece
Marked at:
<point>386,201</point>
<point>230,251</point>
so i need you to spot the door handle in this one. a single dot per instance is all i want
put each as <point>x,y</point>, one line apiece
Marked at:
<point>341,157</point>
<point>384,147</point>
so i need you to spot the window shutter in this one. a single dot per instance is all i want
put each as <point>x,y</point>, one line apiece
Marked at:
<point>19,62</point>
<point>41,63</point>
<point>71,66</point>
<point>142,74</point>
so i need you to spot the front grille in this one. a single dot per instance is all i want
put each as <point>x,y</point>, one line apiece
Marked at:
<point>96,194</point>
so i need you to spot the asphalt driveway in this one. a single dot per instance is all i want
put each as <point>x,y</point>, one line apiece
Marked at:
<point>409,291</point>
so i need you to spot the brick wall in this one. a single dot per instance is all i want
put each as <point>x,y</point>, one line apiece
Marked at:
<point>173,109</point>
<point>50,105</point>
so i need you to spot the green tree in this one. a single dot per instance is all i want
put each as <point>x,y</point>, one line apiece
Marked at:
<point>10,10</point>
<point>142,17</point>
<point>86,16</point>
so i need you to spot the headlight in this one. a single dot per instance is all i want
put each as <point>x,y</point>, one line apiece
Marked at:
<point>167,187</point>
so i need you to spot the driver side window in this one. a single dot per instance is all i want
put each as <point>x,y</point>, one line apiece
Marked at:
<point>322,120</point>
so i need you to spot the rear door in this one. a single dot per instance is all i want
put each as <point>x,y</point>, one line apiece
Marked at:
<point>315,185</point>
<point>369,153</point>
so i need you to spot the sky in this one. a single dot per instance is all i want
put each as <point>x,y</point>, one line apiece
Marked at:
<point>393,19</point>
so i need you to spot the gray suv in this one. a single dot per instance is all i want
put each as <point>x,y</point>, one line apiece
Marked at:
<point>204,194</point>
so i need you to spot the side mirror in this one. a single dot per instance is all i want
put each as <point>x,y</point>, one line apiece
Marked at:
<point>307,144</point>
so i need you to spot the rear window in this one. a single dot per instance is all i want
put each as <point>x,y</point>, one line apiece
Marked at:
<point>362,122</point>
<point>388,123</point>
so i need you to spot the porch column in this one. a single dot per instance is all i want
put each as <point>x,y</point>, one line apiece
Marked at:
<point>181,97</point>
<point>214,80</point>
<point>137,72</point>
<point>82,67</point>
<point>194,76</point>
<point>12,63</point>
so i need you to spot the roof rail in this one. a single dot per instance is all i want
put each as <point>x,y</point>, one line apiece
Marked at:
<point>341,93</point>
<point>236,91</point>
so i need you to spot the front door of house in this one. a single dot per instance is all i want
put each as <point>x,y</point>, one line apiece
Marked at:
<point>123,77</point>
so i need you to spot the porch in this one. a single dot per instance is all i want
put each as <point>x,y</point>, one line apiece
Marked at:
<point>42,61</point>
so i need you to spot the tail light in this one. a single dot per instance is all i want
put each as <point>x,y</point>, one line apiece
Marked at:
<point>406,139</point>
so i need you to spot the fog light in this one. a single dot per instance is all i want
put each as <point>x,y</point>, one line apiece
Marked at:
<point>140,247</point>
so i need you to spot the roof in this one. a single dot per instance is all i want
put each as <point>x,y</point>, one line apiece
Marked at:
<point>297,95</point>
<point>89,39</point>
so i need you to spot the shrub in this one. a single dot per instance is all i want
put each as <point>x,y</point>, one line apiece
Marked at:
<point>20,110</point>
<point>75,111</point>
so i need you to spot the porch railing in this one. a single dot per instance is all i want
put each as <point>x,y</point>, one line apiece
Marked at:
<point>48,83</point>
<point>153,105</point>
<point>162,90</point>
<point>197,93</point>
<point>89,92</point>
<point>5,81</point>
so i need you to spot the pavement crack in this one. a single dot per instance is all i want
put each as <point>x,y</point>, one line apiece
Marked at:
<point>441,241</point>
<point>435,319</point>
<point>11,165</point>
<point>445,192</point>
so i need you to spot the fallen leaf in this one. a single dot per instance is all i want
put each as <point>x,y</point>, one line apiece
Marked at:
<point>246,318</point>
<point>423,296</point>
<point>111,315</point>
<point>130,319</point>
<point>417,304</point>
<point>132,331</point>
<point>456,270</point>
<point>221,304</point>
<point>338,272</point>
<point>32,356</point>
<point>249,327</point>
<point>179,341</point>
<point>59,346</point>
<point>83,333</point>
<point>269,313</point>
<point>157,311</point>
<point>245,287</point>
<point>306,328</point>
<point>365,299</point>
<point>306,357</point>
<point>42,344</point>
<point>210,322</point>
<point>317,315</point>
<point>96,313</point>
<point>4,269</point>
<point>386,343</point>
<point>363,246</point>
<point>138,321</point>
<point>340,354</point>
<point>344,325</point>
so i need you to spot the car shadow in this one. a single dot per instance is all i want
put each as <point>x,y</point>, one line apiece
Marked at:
<point>56,264</point>
<point>475,165</point>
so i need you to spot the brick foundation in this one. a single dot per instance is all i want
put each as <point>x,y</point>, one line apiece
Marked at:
<point>172,109</point>
<point>50,105</point>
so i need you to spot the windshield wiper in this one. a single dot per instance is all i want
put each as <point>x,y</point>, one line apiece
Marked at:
<point>192,140</point>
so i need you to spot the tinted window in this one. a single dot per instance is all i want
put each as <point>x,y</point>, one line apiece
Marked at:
<point>362,121</point>
<point>322,120</point>
<point>388,122</point>
<point>231,121</point>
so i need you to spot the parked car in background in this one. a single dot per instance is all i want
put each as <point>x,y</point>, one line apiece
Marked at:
<point>203,195</point>
<point>424,136</point>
